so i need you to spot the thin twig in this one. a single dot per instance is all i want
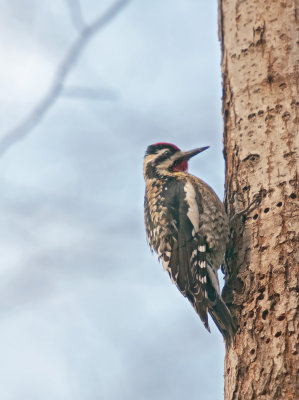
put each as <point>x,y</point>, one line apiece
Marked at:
<point>76,14</point>
<point>24,128</point>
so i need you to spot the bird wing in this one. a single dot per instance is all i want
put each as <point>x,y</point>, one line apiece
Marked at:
<point>186,258</point>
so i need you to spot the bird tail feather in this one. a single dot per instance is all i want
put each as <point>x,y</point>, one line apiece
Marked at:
<point>223,319</point>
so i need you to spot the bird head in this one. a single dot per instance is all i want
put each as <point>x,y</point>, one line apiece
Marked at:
<point>166,158</point>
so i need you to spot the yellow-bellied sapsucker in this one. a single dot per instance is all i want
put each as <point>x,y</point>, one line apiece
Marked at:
<point>187,226</point>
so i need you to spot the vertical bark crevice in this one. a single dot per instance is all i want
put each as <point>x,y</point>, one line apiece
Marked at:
<point>261,120</point>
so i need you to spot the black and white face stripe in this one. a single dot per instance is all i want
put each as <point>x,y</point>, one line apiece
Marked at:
<point>155,148</point>
<point>159,158</point>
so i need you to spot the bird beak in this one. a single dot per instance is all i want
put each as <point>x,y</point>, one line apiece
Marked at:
<point>186,155</point>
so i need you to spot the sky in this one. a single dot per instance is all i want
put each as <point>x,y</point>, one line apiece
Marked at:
<point>86,311</point>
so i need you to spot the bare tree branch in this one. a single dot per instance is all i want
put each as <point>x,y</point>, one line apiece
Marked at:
<point>24,128</point>
<point>76,14</point>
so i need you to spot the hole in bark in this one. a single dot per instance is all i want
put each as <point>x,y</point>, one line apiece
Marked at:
<point>245,188</point>
<point>250,314</point>
<point>264,392</point>
<point>279,204</point>
<point>260,113</point>
<point>293,196</point>
<point>275,298</point>
<point>270,78</point>
<point>281,317</point>
<point>260,297</point>
<point>251,116</point>
<point>263,248</point>
<point>277,334</point>
<point>289,154</point>
<point>251,157</point>
<point>264,314</point>
<point>293,182</point>
<point>278,108</point>
<point>267,340</point>
<point>272,306</point>
<point>255,216</point>
<point>266,210</point>
<point>286,116</point>
<point>245,323</point>
<point>252,351</point>
<point>262,276</point>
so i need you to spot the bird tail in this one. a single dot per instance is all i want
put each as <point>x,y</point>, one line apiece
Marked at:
<point>223,319</point>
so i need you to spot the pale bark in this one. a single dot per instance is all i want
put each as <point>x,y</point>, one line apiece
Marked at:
<point>261,115</point>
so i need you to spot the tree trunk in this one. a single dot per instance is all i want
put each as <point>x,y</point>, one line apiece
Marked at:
<point>260,70</point>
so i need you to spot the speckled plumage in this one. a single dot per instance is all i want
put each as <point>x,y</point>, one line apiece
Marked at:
<point>186,225</point>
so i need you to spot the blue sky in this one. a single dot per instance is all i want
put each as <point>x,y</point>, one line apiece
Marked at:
<point>86,311</point>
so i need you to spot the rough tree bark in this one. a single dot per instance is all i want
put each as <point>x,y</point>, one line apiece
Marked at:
<point>260,68</point>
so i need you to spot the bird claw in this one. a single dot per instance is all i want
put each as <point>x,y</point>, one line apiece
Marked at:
<point>257,198</point>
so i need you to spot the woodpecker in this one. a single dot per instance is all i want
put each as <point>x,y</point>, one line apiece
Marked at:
<point>187,226</point>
